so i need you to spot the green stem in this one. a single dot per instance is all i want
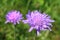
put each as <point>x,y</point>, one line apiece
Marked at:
<point>14,32</point>
<point>45,36</point>
<point>28,4</point>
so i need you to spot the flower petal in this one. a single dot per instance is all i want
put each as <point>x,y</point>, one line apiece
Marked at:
<point>37,33</point>
<point>25,21</point>
<point>31,29</point>
<point>6,21</point>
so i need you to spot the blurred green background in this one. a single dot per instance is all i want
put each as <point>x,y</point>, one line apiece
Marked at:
<point>20,31</point>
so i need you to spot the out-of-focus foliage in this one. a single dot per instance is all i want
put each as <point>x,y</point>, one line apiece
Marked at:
<point>20,31</point>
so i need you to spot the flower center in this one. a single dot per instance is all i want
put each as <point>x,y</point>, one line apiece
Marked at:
<point>37,20</point>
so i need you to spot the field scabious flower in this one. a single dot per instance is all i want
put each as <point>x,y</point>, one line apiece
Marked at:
<point>13,17</point>
<point>38,21</point>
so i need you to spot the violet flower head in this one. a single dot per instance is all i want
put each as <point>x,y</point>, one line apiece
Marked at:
<point>39,21</point>
<point>13,17</point>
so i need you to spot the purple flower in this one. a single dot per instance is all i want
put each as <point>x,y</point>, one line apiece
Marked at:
<point>13,17</point>
<point>38,21</point>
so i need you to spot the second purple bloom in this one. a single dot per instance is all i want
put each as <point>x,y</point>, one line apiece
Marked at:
<point>38,21</point>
